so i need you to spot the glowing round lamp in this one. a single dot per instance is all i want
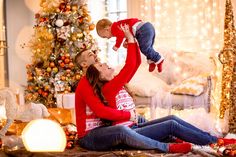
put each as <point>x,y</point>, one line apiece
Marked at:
<point>43,135</point>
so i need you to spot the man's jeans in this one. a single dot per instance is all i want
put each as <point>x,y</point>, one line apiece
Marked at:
<point>146,135</point>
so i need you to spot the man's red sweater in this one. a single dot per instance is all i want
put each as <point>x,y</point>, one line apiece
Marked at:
<point>84,96</point>
<point>119,34</point>
<point>111,88</point>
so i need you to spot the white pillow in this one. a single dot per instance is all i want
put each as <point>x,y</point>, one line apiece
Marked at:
<point>145,84</point>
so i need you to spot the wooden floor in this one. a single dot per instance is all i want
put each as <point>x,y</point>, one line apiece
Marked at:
<point>78,152</point>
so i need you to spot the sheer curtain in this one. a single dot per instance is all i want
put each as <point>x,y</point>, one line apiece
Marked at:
<point>189,25</point>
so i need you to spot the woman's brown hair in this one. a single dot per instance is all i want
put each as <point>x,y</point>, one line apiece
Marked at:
<point>93,76</point>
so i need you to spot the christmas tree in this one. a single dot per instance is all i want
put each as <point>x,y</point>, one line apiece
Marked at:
<point>62,30</point>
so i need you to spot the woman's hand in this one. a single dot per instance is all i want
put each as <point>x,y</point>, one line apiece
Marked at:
<point>128,34</point>
<point>125,44</point>
<point>133,116</point>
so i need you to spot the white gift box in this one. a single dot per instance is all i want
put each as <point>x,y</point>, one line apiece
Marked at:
<point>67,101</point>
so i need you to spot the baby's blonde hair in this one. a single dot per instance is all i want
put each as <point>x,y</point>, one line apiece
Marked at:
<point>102,24</point>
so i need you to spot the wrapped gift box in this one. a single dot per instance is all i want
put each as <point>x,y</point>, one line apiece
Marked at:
<point>66,100</point>
<point>61,115</point>
<point>15,128</point>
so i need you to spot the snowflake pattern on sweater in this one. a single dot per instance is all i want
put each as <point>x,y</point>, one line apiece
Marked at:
<point>124,102</point>
<point>91,120</point>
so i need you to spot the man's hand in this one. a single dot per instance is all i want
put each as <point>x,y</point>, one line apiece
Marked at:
<point>115,48</point>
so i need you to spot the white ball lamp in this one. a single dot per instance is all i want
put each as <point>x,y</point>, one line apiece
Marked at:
<point>43,135</point>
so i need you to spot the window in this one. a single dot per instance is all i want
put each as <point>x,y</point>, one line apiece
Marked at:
<point>113,10</point>
<point>116,10</point>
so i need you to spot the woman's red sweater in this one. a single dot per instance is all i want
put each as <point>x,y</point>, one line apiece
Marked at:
<point>84,98</point>
<point>112,88</point>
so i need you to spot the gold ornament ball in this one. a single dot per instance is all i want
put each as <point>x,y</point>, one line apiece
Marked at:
<point>52,64</point>
<point>35,96</point>
<point>63,78</point>
<point>68,7</point>
<point>91,27</point>
<point>46,88</point>
<point>77,77</point>
<point>87,31</point>
<point>30,88</point>
<point>67,55</point>
<point>74,8</point>
<point>80,35</point>
<point>68,88</point>
<point>55,69</point>
<point>89,18</point>
<point>49,69</point>
<point>67,60</point>
<point>36,88</point>
<point>71,65</point>
<point>73,38</point>
<point>29,96</point>
<point>58,10</point>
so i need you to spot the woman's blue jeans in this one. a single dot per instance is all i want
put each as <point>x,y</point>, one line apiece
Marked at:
<point>146,37</point>
<point>147,135</point>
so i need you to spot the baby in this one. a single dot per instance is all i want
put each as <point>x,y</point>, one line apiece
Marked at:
<point>144,32</point>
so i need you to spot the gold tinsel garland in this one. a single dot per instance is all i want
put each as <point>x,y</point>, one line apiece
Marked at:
<point>227,58</point>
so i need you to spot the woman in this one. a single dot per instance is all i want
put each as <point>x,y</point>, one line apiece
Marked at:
<point>110,89</point>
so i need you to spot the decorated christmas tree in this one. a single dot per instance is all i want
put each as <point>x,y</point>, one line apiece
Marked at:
<point>61,31</point>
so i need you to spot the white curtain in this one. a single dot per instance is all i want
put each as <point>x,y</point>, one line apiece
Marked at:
<point>189,25</point>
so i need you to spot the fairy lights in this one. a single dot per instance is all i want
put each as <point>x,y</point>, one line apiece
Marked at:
<point>200,31</point>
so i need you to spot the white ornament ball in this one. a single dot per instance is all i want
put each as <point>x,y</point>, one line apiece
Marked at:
<point>59,22</point>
